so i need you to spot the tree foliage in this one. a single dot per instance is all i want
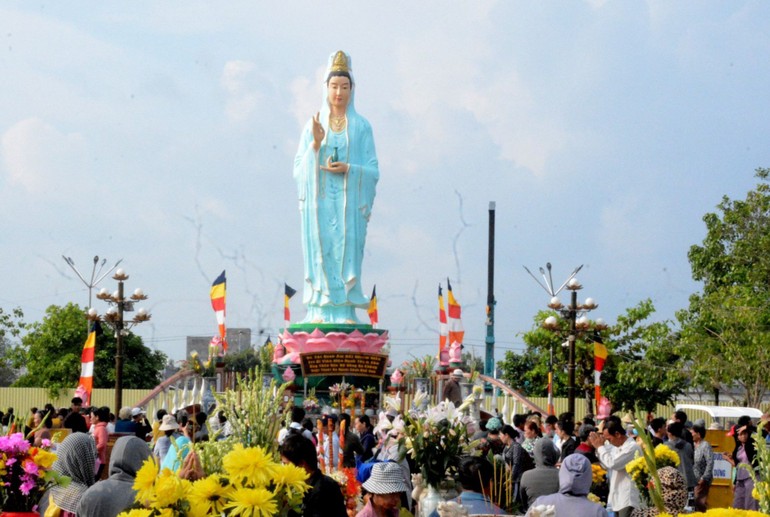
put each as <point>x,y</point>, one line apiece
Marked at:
<point>726,328</point>
<point>11,325</point>
<point>51,350</point>
<point>640,367</point>
<point>645,366</point>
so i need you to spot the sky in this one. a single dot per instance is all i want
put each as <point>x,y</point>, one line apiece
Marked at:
<point>163,134</point>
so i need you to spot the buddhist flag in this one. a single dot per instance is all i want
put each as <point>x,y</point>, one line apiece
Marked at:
<point>442,325</point>
<point>87,366</point>
<point>218,303</point>
<point>600,355</point>
<point>456,332</point>
<point>372,310</point>
<point>551,408</point>
<point>288,292</point>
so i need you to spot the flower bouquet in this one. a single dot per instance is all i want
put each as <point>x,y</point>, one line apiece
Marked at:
<point>419,368</point>
<point>251,483</point>
<point>639,469</point>
<point>25,473</point>
<point>310,404</point>
<point>436,439</point>
<point>599,485</point>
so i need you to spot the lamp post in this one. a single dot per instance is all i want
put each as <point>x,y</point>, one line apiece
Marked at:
<point>574,313</point>
<point>114,318</point>
<point>96,276</point>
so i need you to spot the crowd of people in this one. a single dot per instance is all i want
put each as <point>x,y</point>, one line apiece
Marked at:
<point>549,460</point>
<point>99,488</point>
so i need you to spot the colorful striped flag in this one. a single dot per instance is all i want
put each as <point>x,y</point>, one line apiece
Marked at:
<point>218,289</point>
<point>372,310</point>
<point>87,366</point>
<point>442,325</point>
<point>456,332</point>
<point>600,356</point>
<point>551,408</point>
<point>288,292</point>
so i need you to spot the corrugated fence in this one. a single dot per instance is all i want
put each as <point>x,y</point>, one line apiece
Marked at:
<point>22,399</point>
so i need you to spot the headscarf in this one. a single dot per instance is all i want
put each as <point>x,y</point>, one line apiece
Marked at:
<point>113,495</point>
<point>575,475</point>
<point>76,459</point>
<point>128,455</point>
<point>546,454</point>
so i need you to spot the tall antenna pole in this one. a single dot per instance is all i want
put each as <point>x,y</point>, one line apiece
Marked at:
<point>489,357</point>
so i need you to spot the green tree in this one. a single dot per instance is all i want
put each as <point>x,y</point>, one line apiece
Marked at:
<point>473,363</point>
<point>726,328</point>
<point>645,366</point>
<point>640,368</point>
<point>11,326</point>
<point>528,371</point>
<point>51,350</point>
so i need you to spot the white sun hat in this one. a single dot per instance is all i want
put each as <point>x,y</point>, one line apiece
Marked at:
<point>386,478</point>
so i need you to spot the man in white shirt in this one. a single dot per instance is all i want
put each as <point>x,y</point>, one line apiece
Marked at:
<point>614,450</point>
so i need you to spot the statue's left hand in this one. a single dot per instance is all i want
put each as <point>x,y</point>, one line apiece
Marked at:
<point>336,167</point>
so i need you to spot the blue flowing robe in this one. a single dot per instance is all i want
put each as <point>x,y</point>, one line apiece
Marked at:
<point>335,210</point>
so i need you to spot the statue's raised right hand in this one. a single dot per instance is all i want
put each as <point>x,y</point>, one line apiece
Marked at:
<point>318,131</point>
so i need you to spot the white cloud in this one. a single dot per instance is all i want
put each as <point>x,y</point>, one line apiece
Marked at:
<point>239,80</point>
<point>40,158</point>
<point>306,96</point>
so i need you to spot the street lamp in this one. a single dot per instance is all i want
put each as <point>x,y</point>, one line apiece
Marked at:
<point>96,276</point>
<point>575,314</point>
<point>114,318</point>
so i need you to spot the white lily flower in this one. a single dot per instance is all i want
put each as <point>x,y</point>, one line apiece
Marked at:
<point>418,399</point>
<point>383,424</point>
<point>470,399</point>
<point>393,402</point>
<point>398,424</point>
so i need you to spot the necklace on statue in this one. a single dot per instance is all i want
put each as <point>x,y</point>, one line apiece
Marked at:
<point>338,123</point>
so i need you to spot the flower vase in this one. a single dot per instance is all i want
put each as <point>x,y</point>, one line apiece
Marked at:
<point>429,502</point>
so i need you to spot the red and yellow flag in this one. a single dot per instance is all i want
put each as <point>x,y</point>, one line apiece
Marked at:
<point>288,292</point>
<point>372,310</point>
<point>600,356</point>
<point>551,408</point>
<point>442,325</point>
<point>87,365</point>
<point>456,332</point>
<point>218,289</point>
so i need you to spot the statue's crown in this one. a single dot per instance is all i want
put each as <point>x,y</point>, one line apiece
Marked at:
<point>340,63</point>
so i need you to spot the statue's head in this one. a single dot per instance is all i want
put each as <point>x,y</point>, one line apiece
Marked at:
<point>340,66</point>
<point>339,82</point>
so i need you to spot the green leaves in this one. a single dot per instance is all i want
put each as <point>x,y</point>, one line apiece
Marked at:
<point>52,348</point>
<point>726,329</point>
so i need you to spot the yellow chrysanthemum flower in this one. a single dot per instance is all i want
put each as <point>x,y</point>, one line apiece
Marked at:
<point>138,512</point>
<point>144,483</point>
<point>291,478</point>
<point>208,496</point>
<point>168,489</point>
<point>253,464</point>
<point>252,502</point>
<point>663,452</point>
<point>44,459</point>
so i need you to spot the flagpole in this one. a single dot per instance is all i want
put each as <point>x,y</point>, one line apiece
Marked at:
<point>489,357</point>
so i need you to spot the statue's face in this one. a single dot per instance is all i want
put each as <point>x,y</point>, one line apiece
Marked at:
<point>339,92</point>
